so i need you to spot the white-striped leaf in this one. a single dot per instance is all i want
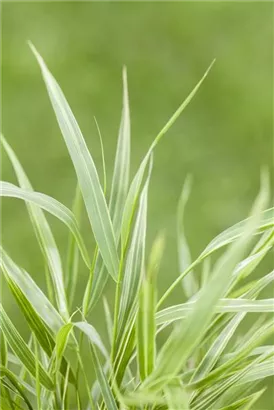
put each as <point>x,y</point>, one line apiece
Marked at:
<point>87,175</point>
<point>43,233</point>
<point>50,205</point>
<point>22,351</point>
<point>135,186</point>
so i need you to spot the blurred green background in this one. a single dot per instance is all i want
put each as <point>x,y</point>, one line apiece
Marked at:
<point>223,138</point>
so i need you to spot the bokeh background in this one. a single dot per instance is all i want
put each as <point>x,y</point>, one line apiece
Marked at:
<point>222,139</point>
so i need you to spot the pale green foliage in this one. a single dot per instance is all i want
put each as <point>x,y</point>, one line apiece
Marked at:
<point>198,365</point>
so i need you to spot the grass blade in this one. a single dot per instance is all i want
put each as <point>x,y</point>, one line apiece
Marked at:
<point>238,404</point>
<point>146,326</point>
<point>119,188</point>
<point>22,351</point>
<point>260,371</point>
<point>43,233</point>
<point>225,238</point>
<point>107,394</point>
<point>185,337</point>
<point>37,325</point>
<point>103,156</point>
<point>176,397</point>
<point>134,268</point>
<point>50,205</point>
<point>33,293</point>
<point>215,350</point>
<point>189,283</point>
<point>120,180</point>
<point>92,335</point>
<point>13,379</point>
<point>135,186</point>
<point>37,375</point>
<point>235,231</point>
<point>178,312</point>
<point>99,282</point>
<point>221,371</point>
<point>61,343</point>
<point>73,252</point>
<point>3,351</point>
<point>34,321</point>
<point>87,175</point>
<point>108,319</point>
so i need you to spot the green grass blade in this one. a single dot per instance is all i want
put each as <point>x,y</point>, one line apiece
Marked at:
<point>108,319</point>
<point>87,175</point>
<point>103,156</point>
<point>134,267</point>
<point>185,337</point>
<point>36,308</point>
<point>61,343</point>
<point>225,238</point>
<point>95,340</point>
<point>255,352</point>
<point>259,336</point>
<point>107,394</point>
<point>37,375</point>
<point>34,321</point>
<point>135,186</point>
<point>32,293</point>
<point>189,283</point>
<point>245,401</point>
<point>73,252</point>
<point>260,371</point>
<point>99,282</point>
<point>211,396</point>
<point>178,312</point>
<point>146,326</point>
<point>234,232</point>
<point>43,233</point>
<point>119,188</point>
<point>93,336</point>
<point>3,351</point>
<point>65,399</point>
<point>13,379</point>
<point>124,349</point>
<point>50,205</point>
<point>215,350</point>
<point>120,180</point>
<point>176,397</point>
<point>253,399</point>
<point>22,351</point>
<point>36,324</point>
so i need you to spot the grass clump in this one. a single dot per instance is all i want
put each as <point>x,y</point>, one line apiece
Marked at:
<point>200,365</point>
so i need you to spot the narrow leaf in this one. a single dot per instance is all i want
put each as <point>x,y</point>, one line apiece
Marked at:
<point>15,381</point>
<point>32,292</point>
<point>146,326</point>
<point>189,282</point>
<point>3,350</point>
<point>21,350</point>
<point>178,312</point>
<point>235,231</point>
<point>137,180</point>
<point>134,267</point>
<point>186,336</point>
<point>43,233</point>
<point>50,205</point>
<point>73,252</point>
<point>120,180</point>
<point>87,175</point>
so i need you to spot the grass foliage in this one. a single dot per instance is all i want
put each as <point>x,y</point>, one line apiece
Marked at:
<point>198,363</point>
